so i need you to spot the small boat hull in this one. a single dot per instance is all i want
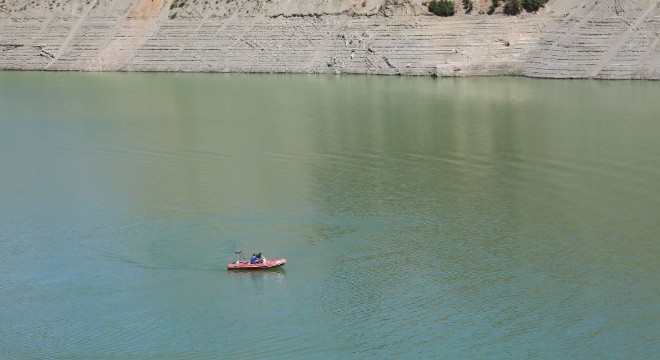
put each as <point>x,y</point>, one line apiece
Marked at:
<point>245,265</point>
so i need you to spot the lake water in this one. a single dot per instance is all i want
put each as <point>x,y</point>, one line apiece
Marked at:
<point>439,218</point>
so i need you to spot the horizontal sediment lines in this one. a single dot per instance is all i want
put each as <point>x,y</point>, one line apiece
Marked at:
<point>598,40</point>
<point>604,41</point>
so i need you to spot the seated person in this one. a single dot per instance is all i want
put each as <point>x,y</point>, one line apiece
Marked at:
<point>253,259</point>
<point>260,259</point>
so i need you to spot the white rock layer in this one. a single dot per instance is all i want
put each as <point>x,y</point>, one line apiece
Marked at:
<point>608,39</point>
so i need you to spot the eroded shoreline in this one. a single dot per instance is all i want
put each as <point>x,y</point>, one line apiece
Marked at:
<point>567,39</point>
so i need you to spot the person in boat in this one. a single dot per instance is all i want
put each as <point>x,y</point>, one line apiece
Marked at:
<point>260,259</point>
<point>253,259</point>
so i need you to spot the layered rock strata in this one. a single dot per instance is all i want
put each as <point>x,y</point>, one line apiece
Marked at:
<point>606,39</point>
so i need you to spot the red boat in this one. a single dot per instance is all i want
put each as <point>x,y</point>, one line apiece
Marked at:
<point>242,264</point>
<point>245,265</point>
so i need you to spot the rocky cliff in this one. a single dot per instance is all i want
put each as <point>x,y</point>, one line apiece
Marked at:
<point>608,39</point>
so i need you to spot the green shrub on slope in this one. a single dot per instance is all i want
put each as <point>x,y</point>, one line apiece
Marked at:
<point>442,7</point>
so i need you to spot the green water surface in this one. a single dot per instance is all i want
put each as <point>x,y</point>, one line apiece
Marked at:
<point>420,218</point>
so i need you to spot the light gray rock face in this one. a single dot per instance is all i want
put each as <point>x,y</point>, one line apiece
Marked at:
<point>608,39</point>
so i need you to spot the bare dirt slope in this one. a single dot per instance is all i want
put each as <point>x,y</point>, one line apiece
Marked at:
<point>610,39</point>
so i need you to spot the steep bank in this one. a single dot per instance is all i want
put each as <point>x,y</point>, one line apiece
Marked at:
<point>608,39</point>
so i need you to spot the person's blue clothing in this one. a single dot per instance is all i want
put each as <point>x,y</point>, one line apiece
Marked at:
<point>253,260</point>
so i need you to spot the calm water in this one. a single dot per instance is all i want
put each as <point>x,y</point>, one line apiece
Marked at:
<point>453,218</point>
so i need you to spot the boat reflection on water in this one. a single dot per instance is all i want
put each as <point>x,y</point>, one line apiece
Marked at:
<point>261,275</point>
